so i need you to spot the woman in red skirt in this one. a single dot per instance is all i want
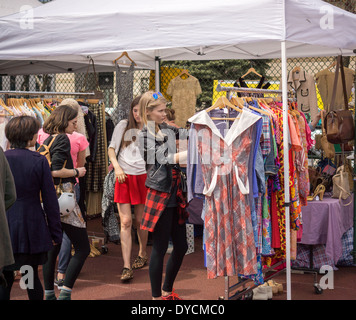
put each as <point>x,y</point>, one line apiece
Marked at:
<point>130,190</point>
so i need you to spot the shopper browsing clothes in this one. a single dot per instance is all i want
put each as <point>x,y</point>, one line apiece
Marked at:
<point>63,121</point>
<point>164,212</point>
<point>130,190</point>
<point>7,199</point>
<point>33,230</point>
<point>78,146</point>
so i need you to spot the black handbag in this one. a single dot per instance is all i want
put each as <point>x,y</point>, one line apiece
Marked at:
<point>183,181</point>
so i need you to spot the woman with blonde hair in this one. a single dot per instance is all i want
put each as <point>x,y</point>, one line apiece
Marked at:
<point>164,212</point>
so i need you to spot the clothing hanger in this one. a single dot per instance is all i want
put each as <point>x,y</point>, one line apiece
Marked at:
<point>184,72</point>
<point>237,101</point>
<point>258,110</point>
<point>248,99</point>
<point>5,107</point>
<point>333,64</point>
<point>221,103</point>
<point>124,54</point>
<point>268,100</point>
<point>253,71</point>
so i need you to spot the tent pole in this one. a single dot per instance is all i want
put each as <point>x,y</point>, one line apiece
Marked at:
<point>353,252</point>
<point>286,165</point>
<point>157,74</point>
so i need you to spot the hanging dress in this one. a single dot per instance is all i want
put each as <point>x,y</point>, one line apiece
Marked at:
<point>229,236</point>
<point>124,91</point>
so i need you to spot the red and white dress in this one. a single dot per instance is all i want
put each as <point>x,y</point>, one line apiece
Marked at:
<point>229,237</point>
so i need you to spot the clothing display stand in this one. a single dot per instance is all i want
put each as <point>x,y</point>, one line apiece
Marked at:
<point>88,97</point>
<point>45,93</point>
<point>228,289</point>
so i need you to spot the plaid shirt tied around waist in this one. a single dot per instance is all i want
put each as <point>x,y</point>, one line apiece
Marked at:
<point>156,202</point>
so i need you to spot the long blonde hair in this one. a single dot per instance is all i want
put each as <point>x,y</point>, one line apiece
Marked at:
<point>148,103</point>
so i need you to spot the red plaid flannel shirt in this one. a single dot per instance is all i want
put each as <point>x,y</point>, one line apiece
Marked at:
<point>156,202</point>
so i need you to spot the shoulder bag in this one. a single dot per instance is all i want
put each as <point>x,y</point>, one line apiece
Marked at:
<point>341,186</point>
<point>339,124</point>
<point>327,147</point>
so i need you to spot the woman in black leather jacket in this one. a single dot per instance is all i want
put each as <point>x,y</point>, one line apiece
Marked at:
<point>164,212</point>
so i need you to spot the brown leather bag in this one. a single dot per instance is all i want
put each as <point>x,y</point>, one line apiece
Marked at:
<point>327,147</point>
<point>339,124</point>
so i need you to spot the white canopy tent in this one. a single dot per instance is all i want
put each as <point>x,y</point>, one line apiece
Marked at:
<point>62,34</point>
<point>15,6</point>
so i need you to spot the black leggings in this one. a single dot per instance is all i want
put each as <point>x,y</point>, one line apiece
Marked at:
<point>33,294</point>
<point>166,227</point>
<point>80,241</point>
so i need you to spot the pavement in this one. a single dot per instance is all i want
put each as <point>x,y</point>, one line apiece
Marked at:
<point>100,279</point>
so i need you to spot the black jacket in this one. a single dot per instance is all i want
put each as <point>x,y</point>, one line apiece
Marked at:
<point>158,153</point>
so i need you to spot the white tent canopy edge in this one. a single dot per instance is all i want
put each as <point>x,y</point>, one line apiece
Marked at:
<point>65,33</point>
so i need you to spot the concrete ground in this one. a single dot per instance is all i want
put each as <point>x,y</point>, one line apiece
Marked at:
<point>100,279</point>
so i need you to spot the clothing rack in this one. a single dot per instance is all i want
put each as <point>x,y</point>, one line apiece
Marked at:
<point>46,93</point>
<point>220,88</point>
<point>243,282</point>
<point>286,205</point>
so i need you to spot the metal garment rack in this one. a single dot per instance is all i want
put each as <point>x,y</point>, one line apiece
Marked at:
<point>46,93</point>
<point>219,88</point>
<point>243,281</point>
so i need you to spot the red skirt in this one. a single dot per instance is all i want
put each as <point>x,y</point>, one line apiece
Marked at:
<point>132,190</point>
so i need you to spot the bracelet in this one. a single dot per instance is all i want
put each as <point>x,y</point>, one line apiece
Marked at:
<point>76,172</point>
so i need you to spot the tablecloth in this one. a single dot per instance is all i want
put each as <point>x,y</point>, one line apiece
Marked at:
<point>324,222</point>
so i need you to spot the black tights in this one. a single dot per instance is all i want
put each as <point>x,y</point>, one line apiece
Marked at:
<point>79,239</point>
<point>166,227</point>
<point>33,294</point>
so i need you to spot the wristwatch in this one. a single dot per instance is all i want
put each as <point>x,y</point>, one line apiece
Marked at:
<point>76,172</point>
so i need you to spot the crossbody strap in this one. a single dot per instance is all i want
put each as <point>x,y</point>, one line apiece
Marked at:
<point>339,65</point>
<point>336,78</point>
<point>344,84</point>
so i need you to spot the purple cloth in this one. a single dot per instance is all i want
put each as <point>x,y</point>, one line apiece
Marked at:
<point>195,209</point>
<point>325,222</point>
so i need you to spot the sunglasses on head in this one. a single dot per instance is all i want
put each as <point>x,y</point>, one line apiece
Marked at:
<point>156,94</point>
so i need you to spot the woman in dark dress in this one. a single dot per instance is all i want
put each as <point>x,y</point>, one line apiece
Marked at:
<point>33,229</point>
<point>63,120</point>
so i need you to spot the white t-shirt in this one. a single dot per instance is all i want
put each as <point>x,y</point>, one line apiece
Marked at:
<point>129,158</point>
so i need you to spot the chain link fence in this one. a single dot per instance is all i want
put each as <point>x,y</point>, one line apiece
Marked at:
<point>208,73</point>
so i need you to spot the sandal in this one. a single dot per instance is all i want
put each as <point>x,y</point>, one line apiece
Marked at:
<point>127,274</point>
<point>319,191</point>
<point>139,262</point>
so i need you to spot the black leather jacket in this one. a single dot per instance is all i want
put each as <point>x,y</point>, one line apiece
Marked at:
<point>158,153</point>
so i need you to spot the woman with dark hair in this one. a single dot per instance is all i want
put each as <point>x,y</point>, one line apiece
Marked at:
<point>33,229</point>
<point>130,173</point>
<point>63,121</point>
